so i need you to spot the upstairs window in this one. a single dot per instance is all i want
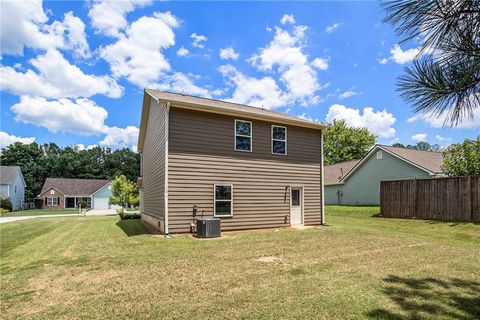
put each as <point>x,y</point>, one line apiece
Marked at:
<point>223,198</point>
<point>379,154</point>
<point>279,140</point>
<point>243,135</point>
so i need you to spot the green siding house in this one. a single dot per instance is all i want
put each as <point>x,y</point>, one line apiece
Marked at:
<point>357,182</point>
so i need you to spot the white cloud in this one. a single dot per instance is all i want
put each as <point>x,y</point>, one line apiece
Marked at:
<point>7,139</point>
<point>306,116</point>
<point>444,140</point>
<point>179,82</point>
<point>378,122</point>
<point>137,55</point>
<point>120,137</point>
<point>332,27</point>
<point>198,39</point>
<point>401,57</point>
<point>287,18</point>
<point>25,24</point>
<point>383,61</point>
<point>320,63</point>
<point>439,122</point>
<point>347,94</point>
<point>78,147</point>
<point>182,52</point>
<point>420,137</point>
<point>284,54</point>
<point>109,17</point>
<point>228,53</point>
<point>73,31</point>
<point>56,78</point>
<point>80,117</point>
<point>262,92</point>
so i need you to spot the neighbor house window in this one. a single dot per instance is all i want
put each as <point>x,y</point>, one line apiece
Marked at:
<point>15,189</point>
<point>52,201</point>
<point>223,204</point>
<point>379,154</point>
<point>243,135</point>
<point>279,140</point>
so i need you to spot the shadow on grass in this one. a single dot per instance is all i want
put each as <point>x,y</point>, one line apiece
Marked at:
<point>430,298</point>
<point>132,227</point>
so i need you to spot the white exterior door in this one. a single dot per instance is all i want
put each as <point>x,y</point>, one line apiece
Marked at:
<point>296,206</point>
<point>101,203</point>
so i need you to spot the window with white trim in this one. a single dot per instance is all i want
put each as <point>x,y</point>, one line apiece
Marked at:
<point>52,201</point>
<point>279,140</point>
<point>223,200</point>
<point>379,154</point>
<point>243,135</point>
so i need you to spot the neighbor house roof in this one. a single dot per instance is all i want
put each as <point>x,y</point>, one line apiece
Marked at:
<point>219,107</point>
<point>74,187</point>
<point>7,173</point>
<point>334,173</point>
<point>429,161</point>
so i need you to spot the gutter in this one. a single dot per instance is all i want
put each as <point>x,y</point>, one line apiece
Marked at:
<point>322,216</point>
<point>167,116</point>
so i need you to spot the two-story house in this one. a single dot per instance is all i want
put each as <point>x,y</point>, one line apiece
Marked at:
<point>12,186</point>
<point>251,167</point>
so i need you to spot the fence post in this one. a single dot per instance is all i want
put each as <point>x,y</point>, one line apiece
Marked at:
<point>415,197</point>
<point>472,205</point>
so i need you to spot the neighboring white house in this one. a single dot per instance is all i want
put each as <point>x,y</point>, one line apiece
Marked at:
<point>12,186</point>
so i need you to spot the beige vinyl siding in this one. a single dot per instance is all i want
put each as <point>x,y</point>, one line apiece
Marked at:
<point>153,164</point>
<point>201,154</point>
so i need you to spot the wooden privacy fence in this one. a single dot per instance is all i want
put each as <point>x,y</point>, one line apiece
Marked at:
<point>447,199</point>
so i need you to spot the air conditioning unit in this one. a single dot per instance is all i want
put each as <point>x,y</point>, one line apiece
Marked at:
<point>208,227</point>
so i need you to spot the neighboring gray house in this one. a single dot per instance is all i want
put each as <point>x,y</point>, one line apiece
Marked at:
<point>12,186</point>
<point>357,182</point>
<point>62,193</point>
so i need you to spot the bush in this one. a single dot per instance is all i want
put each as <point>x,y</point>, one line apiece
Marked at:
<point>82,204</point>
<point>38,203</point>
<point>5,204</point>
<point>128,215</point>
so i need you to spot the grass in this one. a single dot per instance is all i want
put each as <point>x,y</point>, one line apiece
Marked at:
<point>38,212</point>
<point>358,267</point>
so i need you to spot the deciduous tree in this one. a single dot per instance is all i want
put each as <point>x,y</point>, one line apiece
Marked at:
<point>344,143</point>
<point>462,159</point>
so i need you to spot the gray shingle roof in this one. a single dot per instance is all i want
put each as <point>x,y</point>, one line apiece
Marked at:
<point>7,173</point>
<point>335,172</point>
<point>74,187</point>
<point>429,160</point>
<point>207,104</point>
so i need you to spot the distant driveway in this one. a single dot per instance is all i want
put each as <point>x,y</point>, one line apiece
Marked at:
<point>102,212</point>
<point>19,218</point>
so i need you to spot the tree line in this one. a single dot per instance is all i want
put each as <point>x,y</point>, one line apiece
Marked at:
<point>39,162</point>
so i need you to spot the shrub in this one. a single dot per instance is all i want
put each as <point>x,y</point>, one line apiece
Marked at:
<point>38,203</point>
<point>82,204</point>
<point>6,204</point>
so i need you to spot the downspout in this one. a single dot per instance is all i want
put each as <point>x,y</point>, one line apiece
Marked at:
<point>322,216</point>
<point>167,113</point>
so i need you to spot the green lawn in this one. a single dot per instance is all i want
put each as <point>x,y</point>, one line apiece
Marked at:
<point>38,212</point>
<point>358,267</point>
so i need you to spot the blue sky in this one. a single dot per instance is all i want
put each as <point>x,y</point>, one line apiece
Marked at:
<point>74,72</point>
